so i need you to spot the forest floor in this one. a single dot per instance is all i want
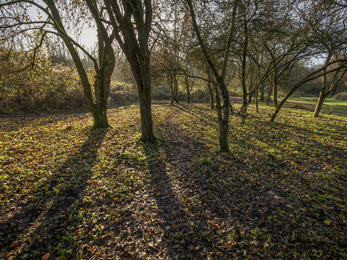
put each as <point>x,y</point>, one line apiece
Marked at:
<point>70,192</point>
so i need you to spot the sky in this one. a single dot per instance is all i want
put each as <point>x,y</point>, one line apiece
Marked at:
<point>87,38</point>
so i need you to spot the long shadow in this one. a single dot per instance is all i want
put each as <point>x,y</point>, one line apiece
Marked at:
<point>226,210</point>
<point>45,214</point>
<point>169,206</point>
<point>183,211</point>
<point>22,121</point>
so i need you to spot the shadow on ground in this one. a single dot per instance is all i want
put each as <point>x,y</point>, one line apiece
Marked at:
<point>42,222</point>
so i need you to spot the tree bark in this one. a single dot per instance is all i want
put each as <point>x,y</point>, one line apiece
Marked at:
<point>209,84</point>
<point>175,90</point>
<point>188,89</point>
<point>210,89</point>
<point>133,39</point>
<point>172,81</point>
<point>222,111</point>
<point>243,71</point>
<point>323,90</point>
<point>256,101</point>
<point>275,90</point>
<point>333,86</point>
<point>262,98</point>
<point>268,94</point>
<point>141,68</point>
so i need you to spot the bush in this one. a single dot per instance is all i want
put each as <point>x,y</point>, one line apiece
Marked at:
<point>341,96</point>
<point>44,88</point>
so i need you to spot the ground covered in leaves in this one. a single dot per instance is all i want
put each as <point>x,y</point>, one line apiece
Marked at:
<point>79,193</point>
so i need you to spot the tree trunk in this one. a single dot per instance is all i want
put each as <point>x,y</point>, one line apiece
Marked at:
<point>100,118</point>
<point>188,89</point>
<point>97,103</point>
<point>210,89</point>
<point>224,118</point>
<point>262,98</point>
<point>131,22</point>
<point>223,122</point>
<point>144,90</point>
<point>268,95</point>
<point>101,88</point>
<point>323,90</point>
<point>322,97</point>
<point>326,92</point>
<point>223,112</point>
<point>175,92</point>
<point>319,105</point>
<point>170,83</point>
<point>141,68</point>
<point>256,101</point>
<point>275,91</point>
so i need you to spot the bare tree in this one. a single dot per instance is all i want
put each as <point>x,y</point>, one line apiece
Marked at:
<point>55,19</point>
<point>131,22</point>
<point>223,109</point>
<point>327,69</point>
<point>330,38</point>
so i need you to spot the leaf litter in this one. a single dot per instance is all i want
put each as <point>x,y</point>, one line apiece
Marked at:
<point>71,192</point>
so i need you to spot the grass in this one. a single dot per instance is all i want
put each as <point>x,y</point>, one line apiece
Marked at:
<point>330,106</point>
<point>79,193</point>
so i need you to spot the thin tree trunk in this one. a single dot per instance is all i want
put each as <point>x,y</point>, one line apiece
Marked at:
<point>223,112</point>
<point>323,89</point>
<point>262,98</point>
<point>175,92</point>
<point>223,124</point>
<point>188,89</point>
<point>170,82</point>
<point>210,89</point>
<point>275,90</point>
<point>209,84</point>
<point>321,98</point>
<point>325,93</point>
<point>98,104</point>
<point>319,105</point>
<point>308,78</point>
<point>243,72</point>
<point>256,101</point>
<point>268,94</point>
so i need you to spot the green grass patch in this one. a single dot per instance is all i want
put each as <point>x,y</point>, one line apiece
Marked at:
<point>330,106</point>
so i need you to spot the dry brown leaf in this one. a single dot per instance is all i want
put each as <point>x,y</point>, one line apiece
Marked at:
<point>46,256</point>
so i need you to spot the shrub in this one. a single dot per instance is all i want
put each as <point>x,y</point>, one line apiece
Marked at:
<point>341,96</point>
<point>46,87</point>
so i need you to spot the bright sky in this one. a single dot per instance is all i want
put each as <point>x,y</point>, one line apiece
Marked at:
<point>87,38</point>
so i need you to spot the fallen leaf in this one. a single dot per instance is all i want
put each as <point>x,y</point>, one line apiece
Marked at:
<point>327,222</point>
<point>46,256</point>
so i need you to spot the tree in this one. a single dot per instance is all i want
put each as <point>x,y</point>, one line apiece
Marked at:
<point>223,109</point>
<point>54,19</point>
<point>329,35</point>
<point>326,69</point>
<point>131,22</point>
